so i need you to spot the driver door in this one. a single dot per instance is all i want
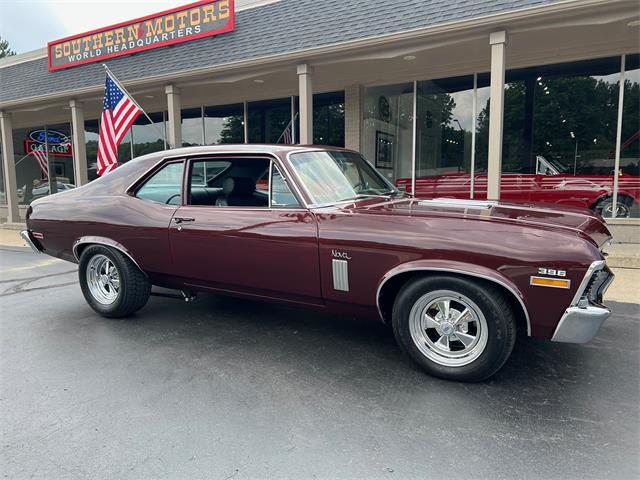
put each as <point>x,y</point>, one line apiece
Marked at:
<point>237,244</point>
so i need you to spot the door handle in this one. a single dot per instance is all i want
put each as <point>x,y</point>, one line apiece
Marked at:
<point>183,219</point>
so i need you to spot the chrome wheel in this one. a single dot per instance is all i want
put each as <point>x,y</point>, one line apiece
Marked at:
<point>448,328</point>
<point>103,279</point>
<point>622,210</point>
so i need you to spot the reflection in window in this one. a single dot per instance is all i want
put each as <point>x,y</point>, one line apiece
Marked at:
<point>388,131</point>
<point>44,161</point>
<point>224,124</point>
<point>148,137</point>
<point>444,134</point>
<point>281,194</point>
<point>559,126</point>
<point>328,119</point>
<point>165,186</point>
<point>268,120</point>
<point>192,127</point>
<point>629,173</point>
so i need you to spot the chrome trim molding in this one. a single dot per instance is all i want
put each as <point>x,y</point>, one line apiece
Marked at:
<point>462,272</point>
<point>107,242</point>
<point>340,275</point>
<point>27,238</point>
<point>580,324</point>
<point>595,266</point>
<point>458,202</point>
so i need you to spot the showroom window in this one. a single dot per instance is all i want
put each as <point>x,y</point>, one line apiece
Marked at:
<point>224,124</point>
<point>268,120</point>
<point>149,135</point>
<point>629,168</point>
<point>3,194</point>
<point>388,131</point>
<point>328,119</point>
<point>91,135</point>
<point>44,161</point>
<point>192,127</point>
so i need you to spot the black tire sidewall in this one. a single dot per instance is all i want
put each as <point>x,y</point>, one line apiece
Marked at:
<point>494,307</point>
<point>117,308</point>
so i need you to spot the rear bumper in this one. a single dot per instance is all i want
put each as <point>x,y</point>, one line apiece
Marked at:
<point>580,324</point>
<point>26,236</point>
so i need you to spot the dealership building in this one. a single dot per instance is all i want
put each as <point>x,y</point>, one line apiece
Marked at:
<point>469,98</point>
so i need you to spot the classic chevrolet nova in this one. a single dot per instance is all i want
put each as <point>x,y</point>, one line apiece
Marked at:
<point>318,227</point>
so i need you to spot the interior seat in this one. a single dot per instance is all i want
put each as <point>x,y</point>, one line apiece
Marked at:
<point>238,192</point>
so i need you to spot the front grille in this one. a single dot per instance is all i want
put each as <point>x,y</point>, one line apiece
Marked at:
<point>597,285</point>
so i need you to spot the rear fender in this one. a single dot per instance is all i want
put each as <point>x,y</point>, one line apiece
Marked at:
<point>83,242</point>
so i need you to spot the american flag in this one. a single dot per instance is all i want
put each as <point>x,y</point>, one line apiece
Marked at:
<point>286,136</point>
<point>119,111</point>
<point>43,161</point>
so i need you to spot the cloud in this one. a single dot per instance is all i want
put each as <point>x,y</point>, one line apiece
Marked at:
<point>30,24</point>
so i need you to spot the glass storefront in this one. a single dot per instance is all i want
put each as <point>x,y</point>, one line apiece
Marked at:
<point>44,161</point>
<point>268,120</point>
<point>149,136</point>
<point>328,119</point>
<point>629,171</point>
<point>224,124</point>
<point>388,131</point>
<point>559,135</point>
<point>192,127</point>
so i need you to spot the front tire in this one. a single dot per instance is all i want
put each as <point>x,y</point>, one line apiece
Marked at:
<point>454,328</point>
<point>111,283</point>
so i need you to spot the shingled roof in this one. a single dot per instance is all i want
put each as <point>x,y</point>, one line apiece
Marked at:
<point>282,27</point>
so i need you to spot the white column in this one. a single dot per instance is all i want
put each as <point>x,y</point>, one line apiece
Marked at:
<point>9,167</point>
<point>174,121</point>
<point>498,42</point>
<point>245,123</point>
<point>79,143</point>
<point>353,116</point>
<point>305,85</point>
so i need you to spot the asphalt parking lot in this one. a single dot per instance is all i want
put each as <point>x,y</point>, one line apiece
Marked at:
<point>224,388</point>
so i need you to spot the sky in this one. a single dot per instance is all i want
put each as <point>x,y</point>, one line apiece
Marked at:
<point>30,24</point>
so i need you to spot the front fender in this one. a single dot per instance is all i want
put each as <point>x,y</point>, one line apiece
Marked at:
<point>460,268</point>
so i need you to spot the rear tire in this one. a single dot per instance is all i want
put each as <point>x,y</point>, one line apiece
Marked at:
<point>453,327</point>
<point>111,283</point>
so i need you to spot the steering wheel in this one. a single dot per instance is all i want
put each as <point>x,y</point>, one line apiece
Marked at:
<point>168,202</point>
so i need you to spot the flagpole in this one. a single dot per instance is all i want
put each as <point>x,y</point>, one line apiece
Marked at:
<point>290,124</point>
<point>117,82</point>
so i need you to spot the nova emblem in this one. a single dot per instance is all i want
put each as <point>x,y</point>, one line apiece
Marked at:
<point>337,254</point>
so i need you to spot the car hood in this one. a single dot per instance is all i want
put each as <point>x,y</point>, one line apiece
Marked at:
<point>580,221</point>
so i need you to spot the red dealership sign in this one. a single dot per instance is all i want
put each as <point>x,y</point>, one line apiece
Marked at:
<point>201,19</point>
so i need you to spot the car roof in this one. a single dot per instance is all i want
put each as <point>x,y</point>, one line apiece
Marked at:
<point>237,148</point>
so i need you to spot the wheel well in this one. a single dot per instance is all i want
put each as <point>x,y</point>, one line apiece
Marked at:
<point>622,197</point>
<point>391,288</point>
<point>81,247</point>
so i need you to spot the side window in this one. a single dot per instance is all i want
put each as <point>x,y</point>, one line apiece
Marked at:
<point>165,186</point>
<point>281,195</point>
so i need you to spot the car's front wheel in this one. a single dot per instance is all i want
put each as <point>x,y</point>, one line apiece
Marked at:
<point>111,283</point>
<point>454,327</point>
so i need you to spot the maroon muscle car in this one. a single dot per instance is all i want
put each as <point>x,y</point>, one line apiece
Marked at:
<point>457,279</point>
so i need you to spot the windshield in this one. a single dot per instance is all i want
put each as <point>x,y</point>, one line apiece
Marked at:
<point>331,177</point>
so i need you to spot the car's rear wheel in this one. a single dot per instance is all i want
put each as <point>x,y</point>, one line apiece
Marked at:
<point>454,327</point>
<point>111,283</point>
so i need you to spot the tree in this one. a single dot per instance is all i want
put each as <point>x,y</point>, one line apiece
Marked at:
<point>5,51</point>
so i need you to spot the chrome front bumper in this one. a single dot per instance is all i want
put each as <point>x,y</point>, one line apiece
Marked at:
<point>580,324</point>
<point>586,314</point>
<point>26,236</point>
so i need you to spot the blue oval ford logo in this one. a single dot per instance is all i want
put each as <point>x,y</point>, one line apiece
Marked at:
<point>53,137</point>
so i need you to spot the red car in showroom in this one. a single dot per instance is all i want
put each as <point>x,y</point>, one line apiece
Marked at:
<point>321,228</point>
<point>551,183</point>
